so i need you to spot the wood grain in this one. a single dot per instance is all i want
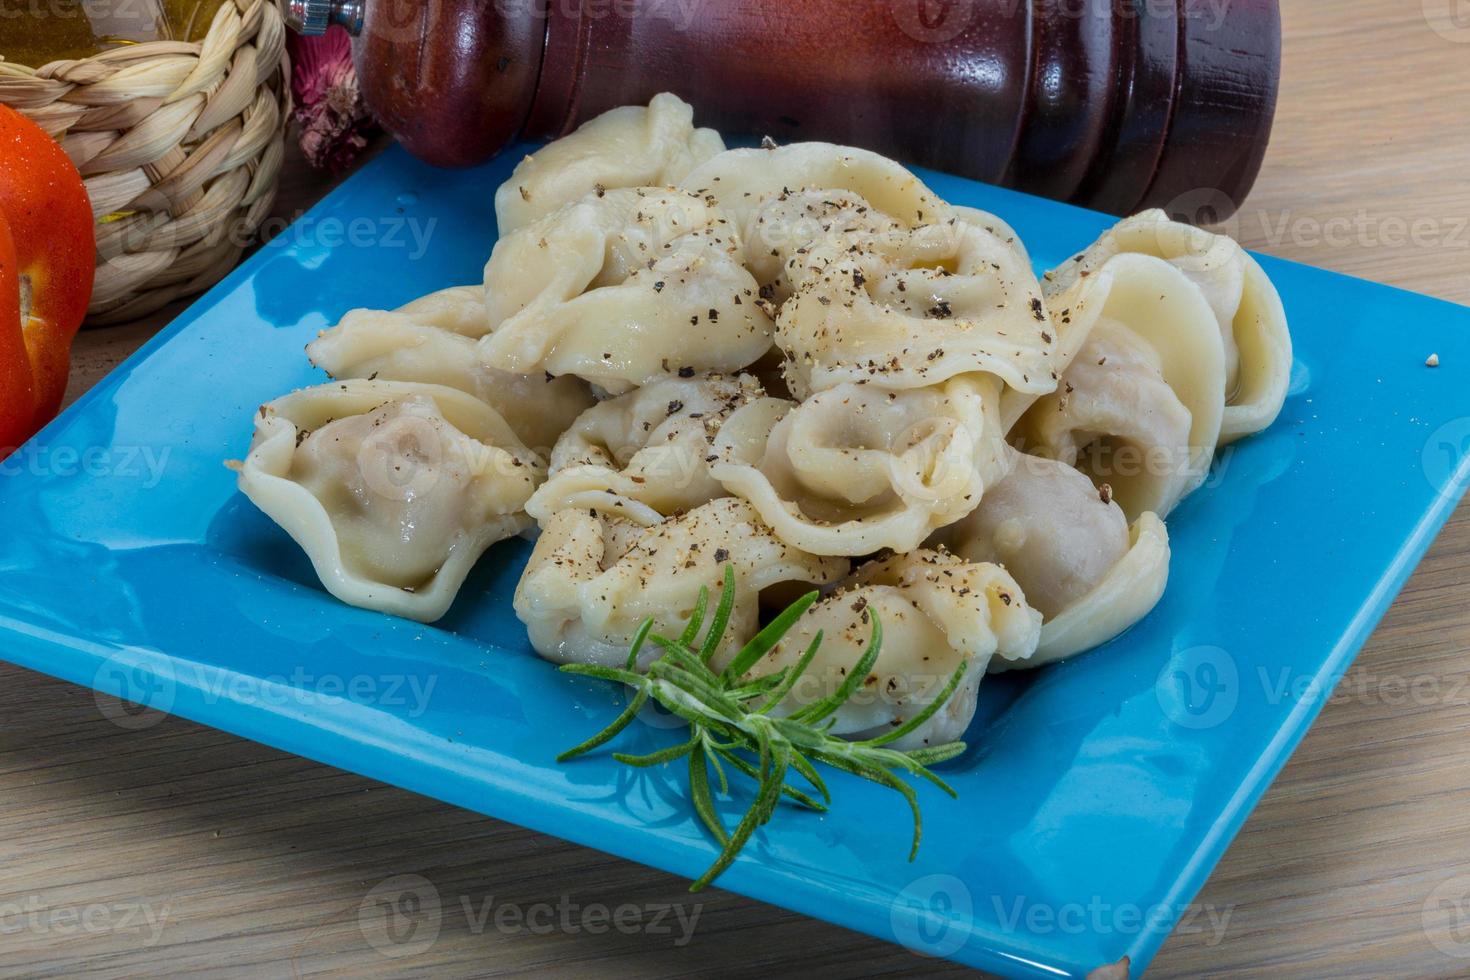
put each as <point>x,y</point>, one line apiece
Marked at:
<point>1351,866</point>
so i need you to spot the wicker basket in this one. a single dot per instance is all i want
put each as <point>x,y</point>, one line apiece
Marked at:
<point>180,145</point>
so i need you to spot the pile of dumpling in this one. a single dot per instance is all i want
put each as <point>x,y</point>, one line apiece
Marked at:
<point>796,362</point>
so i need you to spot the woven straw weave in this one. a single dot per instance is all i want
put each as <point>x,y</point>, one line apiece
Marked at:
<point>179,144</point>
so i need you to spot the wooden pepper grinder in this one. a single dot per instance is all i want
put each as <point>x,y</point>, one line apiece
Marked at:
<point>1113,104</point>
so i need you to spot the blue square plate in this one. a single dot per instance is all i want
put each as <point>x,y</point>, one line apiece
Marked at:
<point>1097,795</point>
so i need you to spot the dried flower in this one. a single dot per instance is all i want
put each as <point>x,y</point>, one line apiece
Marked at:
<point>335,125</point>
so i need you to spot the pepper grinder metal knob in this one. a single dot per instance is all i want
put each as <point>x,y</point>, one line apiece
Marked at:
<point>312,17</point>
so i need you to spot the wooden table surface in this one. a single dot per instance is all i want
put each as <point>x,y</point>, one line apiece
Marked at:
<point>158,846</point>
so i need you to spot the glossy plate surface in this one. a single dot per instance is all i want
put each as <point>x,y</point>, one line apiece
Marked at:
<point>1097,794</point>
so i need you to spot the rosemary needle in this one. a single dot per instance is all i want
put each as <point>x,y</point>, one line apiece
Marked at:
<point>732,722</point>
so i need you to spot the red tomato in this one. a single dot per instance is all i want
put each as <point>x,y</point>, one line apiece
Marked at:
<point>48,253</point>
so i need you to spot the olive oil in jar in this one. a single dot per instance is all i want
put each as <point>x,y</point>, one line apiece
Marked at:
<point>35,32</point>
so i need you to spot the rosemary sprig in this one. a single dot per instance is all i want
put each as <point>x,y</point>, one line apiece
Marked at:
<point>731,722</point>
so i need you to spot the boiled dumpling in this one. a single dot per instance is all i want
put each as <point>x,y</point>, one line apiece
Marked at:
<point>410,344</point>
<point>1142,392</point>
<point>742,181</point>
<point>1247,308</point>
<point>937,611</point>
<point>1049,526</point>
<point>593,579</point>
<point>798,206</point>
<point>1071,550</point>
<point>857,468</point>
<point>950,299</point>
<point>1117,418</point>
<point>795,234</point>
<point>1126,594</point>
<point>621,288</point>
<point>996,225</point>
<point>394,490</point>
<point>643,455</point>
<point>631,146</point>
<point>458,309</point>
